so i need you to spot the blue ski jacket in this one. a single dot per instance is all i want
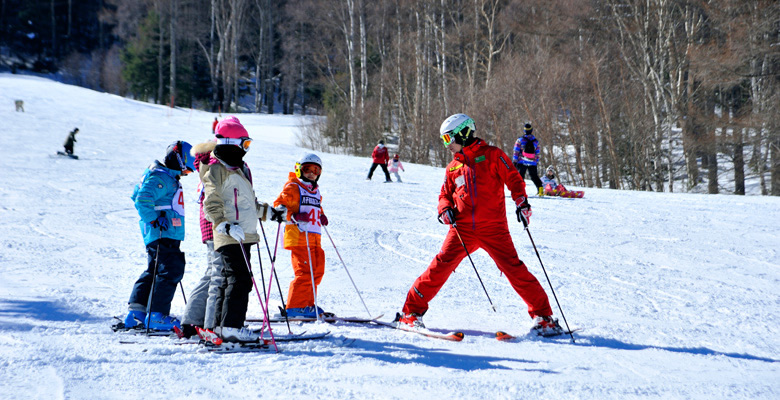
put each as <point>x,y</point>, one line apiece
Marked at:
<point>160,192</point>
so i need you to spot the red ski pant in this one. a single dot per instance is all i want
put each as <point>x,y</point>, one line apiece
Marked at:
<point>497,242</point>
<point>301,293</point>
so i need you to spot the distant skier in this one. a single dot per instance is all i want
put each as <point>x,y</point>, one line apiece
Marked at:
<point>201,307</point>
<point>553,188</point>
<point>214,126</point>
<point>472,202</point>
<point>299,206</point>
<point>379,157</point>
<point>69,141</point>
<point>230,204</point>
<point>394,166</point>
<point>526,156</point>
<point>160,203</point>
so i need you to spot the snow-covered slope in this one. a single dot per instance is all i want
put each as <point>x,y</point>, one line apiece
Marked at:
<point>677,295</point>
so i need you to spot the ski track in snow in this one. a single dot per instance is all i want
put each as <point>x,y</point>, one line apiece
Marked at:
<point>677,294</point>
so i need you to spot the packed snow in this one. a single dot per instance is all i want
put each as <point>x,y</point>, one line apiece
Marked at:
<point>676,295</point>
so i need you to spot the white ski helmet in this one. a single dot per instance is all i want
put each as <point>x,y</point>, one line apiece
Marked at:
<point>308,158</point>
<point>458,128</point>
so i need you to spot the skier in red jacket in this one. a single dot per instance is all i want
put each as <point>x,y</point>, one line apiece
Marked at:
<point>472,202</point>
<point>380,157</point>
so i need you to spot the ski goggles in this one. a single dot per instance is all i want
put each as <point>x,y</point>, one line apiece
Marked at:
<point>447,138</point>
<point>312,168</point>
<point>243,142</point>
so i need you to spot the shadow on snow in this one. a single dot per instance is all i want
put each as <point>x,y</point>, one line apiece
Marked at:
<point>43,310</point>
<point>617,344</point>
<point>407,354</point>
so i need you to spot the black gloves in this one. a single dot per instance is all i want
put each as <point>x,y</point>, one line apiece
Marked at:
<point>279,214</point>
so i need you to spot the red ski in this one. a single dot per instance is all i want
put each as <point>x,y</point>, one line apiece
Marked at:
<point>453,336</point>
<point>505,337</point>
<point>209,336</point>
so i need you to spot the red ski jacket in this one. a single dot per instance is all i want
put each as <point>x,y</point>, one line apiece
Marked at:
<point>474,185</point>
<point>380,155</point>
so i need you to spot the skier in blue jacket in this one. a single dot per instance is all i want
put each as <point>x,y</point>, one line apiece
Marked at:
<point>526,156</point>
<point>159,200</point>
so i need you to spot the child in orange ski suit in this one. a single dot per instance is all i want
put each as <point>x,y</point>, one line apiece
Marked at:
<point>299,206</point>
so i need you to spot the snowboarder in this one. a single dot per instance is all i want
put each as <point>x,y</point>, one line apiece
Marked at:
<point>160,204</point>
<point>69,141</point>
<point>553,188</point>
<point>231,206</point>
<point>201,307</point>
<point>472,202</point>
<point>379,158</point>
<point>394,166</point>
<point>526,156</point>
<point>299,206</point>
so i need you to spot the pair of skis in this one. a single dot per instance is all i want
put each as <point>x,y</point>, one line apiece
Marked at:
<point>450,336</point>
<point>213,343</point>
<point>330,320</point>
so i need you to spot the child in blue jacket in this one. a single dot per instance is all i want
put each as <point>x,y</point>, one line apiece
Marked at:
<point>160,203</point>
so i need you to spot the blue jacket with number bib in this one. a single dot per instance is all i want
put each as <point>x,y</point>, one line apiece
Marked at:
<point>159,191</point>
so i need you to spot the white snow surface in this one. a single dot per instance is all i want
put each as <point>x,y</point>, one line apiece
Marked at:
<point>677,295</point>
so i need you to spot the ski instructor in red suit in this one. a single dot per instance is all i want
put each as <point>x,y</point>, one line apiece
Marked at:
<point>379,157</point>
<point>472,201</point>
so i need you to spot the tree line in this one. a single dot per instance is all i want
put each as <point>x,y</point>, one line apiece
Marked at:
<point>626,94</point>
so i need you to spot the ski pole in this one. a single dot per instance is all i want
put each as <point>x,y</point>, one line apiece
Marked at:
<point>455,226</point>
<point>268,294</point>
<point>311,271</point>
<point>548,280</point>
<point>181,285</point>
<point>348,274</point>
<point>151,290</point>
<point>259,298</point>
<point>273,267</point>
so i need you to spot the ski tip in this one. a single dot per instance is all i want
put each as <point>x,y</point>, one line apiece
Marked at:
<point>503,336</point>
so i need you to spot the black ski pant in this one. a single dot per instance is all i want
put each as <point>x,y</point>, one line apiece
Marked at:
<point>170,269</point>
<point>384,168</point>
<point>533,171</point>
<point>233,295</point>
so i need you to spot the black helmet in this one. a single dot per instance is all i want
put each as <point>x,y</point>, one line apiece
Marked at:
<point>528,129</point>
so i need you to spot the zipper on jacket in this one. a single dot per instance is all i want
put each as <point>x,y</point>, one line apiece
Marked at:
<point>235,201</point>
<point>470,176</point>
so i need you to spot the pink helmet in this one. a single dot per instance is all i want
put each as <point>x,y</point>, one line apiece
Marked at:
<point>231,127</point>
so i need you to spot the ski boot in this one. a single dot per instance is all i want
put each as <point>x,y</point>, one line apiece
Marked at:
<point>325,314</point>
<point>160,322</point>
<point>301,312</point>
<point>411,320</point>
<point>238,335</point>
<point>134,319</point>
<point>307,312</point>
<point>546,326</point>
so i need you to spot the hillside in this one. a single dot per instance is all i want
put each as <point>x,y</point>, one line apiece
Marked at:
<point>676,294</point>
